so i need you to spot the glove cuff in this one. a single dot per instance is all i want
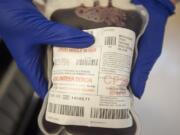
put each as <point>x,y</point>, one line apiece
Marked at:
<point>168,5</point>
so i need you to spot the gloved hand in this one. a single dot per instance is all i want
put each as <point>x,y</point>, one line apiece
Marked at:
<point>150,45</point>
<point>25,30</point>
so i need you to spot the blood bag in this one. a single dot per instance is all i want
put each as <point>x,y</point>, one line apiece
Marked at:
<point>89,90</point>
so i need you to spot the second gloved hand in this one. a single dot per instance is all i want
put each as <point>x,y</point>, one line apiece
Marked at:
<point>24,30</point>
<point>150,45</point>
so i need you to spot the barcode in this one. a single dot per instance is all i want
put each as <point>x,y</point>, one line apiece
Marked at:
<point>110,41</point>
<point>66,109</point>
<point>102,113</point>
<point>87,62</point>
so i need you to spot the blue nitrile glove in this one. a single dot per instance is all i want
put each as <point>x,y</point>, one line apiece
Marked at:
<point>150,45</point>
<point>25,30</point>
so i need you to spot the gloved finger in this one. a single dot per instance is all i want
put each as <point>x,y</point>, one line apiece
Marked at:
<point>31,66</point>
<point>149,49</point>
<point>64,36</point>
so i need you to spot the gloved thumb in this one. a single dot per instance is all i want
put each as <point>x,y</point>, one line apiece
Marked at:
<point>64,36</point>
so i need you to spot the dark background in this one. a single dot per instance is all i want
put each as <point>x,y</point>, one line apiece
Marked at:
<point>19,105</point>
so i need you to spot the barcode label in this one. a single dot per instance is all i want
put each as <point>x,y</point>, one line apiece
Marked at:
<point>66,110</point>
<point>110,41</point>
<point>102,113</point>
<point>90,89</point>
<point>87,62</point>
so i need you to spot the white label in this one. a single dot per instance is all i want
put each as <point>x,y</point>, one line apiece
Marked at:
<point>90,85</point>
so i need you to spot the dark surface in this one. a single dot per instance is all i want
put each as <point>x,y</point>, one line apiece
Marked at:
<point>32,128</point>
<point>5,59</point>
<point>19,106</point>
